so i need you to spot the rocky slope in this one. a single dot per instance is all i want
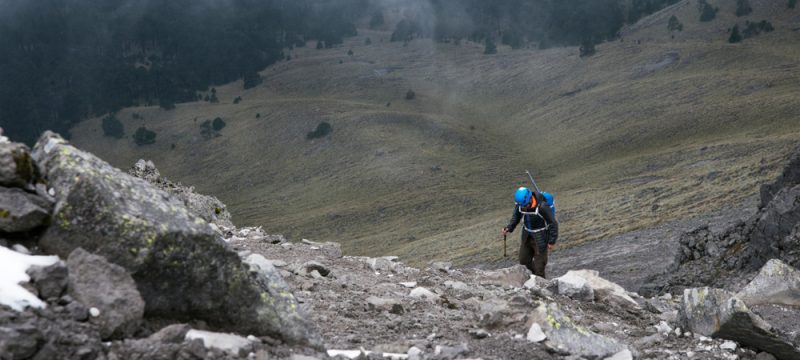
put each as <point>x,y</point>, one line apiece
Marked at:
<point>147,269</point>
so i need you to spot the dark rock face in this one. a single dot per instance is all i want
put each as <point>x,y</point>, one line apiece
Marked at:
<point>730,258</point>
<point>182,269</point>
<point>16,167</point>
<point>775,231</point>
<point>97,283</point>
<point>789,178</point>
<point>21,211</point>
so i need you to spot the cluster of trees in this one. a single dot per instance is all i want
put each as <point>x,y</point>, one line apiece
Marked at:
<point>65,60</point>
<point>750,29</point>
<point>211,129</point>
<point>521,23</point>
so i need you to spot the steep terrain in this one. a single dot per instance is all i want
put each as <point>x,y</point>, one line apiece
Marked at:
<point>650,128</point>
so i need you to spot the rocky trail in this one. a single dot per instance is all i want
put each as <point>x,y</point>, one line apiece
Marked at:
<point>102,264</point>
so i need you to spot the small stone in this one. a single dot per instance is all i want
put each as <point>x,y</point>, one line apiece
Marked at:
<point>704,339</point>
<point>535,333</point>
<point>94,312</point>
<point>622,355</point>
<point>729,346</point>
<point>479,333</point>
<point>456,285</point>
<point>77,311</point>
<point>765,356</point>
<point>254,339</point>
<point>414,353</point>
<point>312,266</point>
<point>423,293</point>
<point>663,328</point>
<point>409,285</point>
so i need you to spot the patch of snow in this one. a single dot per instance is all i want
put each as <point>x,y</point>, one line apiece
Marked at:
<point>13,267</point>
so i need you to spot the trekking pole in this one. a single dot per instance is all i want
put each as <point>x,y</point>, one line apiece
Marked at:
<point>504,246</point>
<point>533,181</point>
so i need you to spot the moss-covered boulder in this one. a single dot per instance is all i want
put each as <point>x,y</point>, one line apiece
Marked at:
<point>16,167</point>
<point>182,269</point>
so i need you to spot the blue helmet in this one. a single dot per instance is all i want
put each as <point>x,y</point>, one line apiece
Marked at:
<point>549,198</point>
<point>523,196</point>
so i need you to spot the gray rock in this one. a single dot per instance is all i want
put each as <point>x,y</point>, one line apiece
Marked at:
<point>772,235</point>
<point>393,306</point>
<point>21,211</point>
<point>717,313</point>
<point>622,355</point>
<point>776,283</point>
<point>19,341</point>
<point>479,333</point>
<point>567,338</point>
<point>789,178</point>
<point>423,294</point>
<point>603,290</point>
<point>108,287</point>
<point>493,313</point>
<point>182,269</point>
<point>78,311</point>
<point>764,356</point>
<point>50,281</point>
<point>449,352</point>
<point>311,266</point>
<point>230,343</point>
<point>514,276</point>
<point>456,285</point>
<point>575,287</point>
<point>171,334</point>
<point>380,264</point>
<point>441,266</point>
<point>16,167</point>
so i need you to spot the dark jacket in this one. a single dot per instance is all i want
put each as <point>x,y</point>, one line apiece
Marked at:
<point>535,222</point>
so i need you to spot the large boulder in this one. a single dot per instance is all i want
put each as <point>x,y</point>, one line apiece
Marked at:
<point>563,336</point>
<point>574,286</point>
<point>181,268</point>
<point>107,287</point>
<point>16,167</point>
<point>603,290</point>
<point>718,313</point>
<point>514,276</point>
<point>21,211</point>
<point>776,283</point>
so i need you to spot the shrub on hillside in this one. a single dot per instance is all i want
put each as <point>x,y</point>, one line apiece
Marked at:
<point>707,12</point>
<point>142,136</point>
<point>410,95</point>
<point>112,127</point>
<point>743,7</point>
<point>587,48</point>
<point>754,28</point>
<point>237,100</point>
<point>674,24</point>
<point>792,4</point>
<point>735,36</point>
<point>218,124</point>
<point>376,20</point>
<point>251,79</point>
<point>323,129</point>
<point>490,48</point>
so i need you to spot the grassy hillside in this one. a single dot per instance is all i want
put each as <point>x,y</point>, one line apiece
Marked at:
<point>649,129</point>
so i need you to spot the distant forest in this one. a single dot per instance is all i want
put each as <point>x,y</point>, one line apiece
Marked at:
<point>520,23</point>
<point>64,60</point>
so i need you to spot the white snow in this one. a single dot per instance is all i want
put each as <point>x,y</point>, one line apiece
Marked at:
<point>12,272</point>
<point>355,354</point>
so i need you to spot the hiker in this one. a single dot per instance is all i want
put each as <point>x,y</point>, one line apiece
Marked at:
<point>539,228</point>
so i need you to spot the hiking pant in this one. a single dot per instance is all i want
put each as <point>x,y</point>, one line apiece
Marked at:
<point>533,252</point>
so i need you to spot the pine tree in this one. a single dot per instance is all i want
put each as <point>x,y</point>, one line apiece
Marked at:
<point>490,48</point>
<point>674,24</point>
<point>743,7</point>
<point>707,12</point>
<point>735,35</point>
